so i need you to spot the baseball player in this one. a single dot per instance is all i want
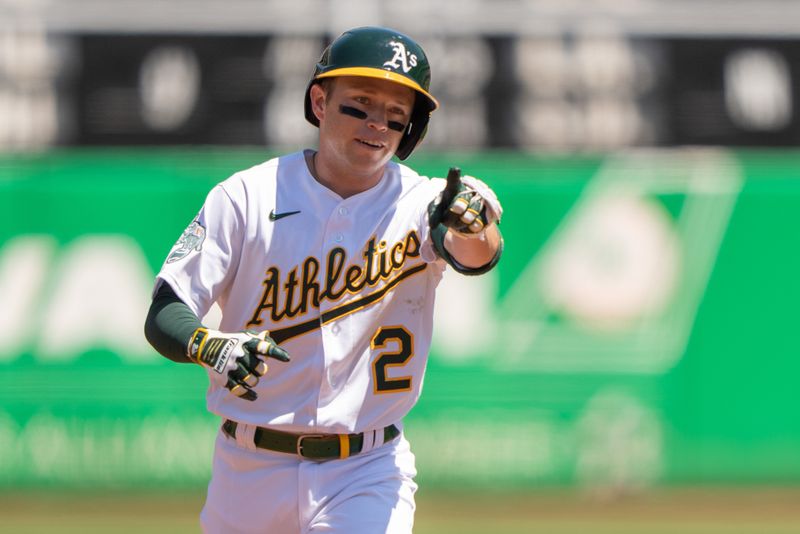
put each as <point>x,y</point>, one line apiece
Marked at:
<point>324,263</point>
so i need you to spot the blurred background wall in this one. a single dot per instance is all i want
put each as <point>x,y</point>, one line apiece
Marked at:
<point>640,331</point>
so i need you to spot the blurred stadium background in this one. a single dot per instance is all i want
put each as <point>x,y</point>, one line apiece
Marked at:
<point>630,367</point>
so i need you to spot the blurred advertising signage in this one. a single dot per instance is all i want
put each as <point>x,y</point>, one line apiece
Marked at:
<point>135,89</point>
<point>583,91</point>
<point>734,92</point>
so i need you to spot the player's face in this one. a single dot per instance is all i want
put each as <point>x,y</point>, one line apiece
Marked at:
<point>362,122</point>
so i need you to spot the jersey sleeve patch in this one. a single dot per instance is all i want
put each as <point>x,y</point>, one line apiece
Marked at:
<point>191,239</point>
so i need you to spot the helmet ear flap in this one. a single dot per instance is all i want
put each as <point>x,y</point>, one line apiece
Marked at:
<point>310,116</point>
<point>415,131</point>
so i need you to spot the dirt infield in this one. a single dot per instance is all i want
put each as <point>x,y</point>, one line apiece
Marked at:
<point>685,511</point>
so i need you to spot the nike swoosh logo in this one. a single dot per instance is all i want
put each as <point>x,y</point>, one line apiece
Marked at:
<point>275,216</point>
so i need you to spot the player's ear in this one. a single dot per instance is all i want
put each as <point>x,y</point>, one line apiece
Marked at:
<point>318,98</point>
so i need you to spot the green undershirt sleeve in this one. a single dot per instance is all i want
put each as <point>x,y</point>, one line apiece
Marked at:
<point>170,324</point>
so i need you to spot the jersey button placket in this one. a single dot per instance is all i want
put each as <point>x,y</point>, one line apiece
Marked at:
<point>342,211</point>
<point>339,233</point>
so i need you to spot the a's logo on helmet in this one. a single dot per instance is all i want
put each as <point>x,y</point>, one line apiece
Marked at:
<point>402,59</point>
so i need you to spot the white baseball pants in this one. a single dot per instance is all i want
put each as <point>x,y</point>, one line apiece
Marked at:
<point>259,491</point>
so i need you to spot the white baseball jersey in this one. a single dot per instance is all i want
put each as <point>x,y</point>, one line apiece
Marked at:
<point>346,286</point>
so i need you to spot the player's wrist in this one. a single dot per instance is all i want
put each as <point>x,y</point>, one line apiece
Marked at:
<point>197,342</point>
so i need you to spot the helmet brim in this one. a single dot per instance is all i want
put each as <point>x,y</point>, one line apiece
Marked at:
<point>370,72</point>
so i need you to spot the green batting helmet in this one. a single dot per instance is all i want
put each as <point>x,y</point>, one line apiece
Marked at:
<point>382,53</point>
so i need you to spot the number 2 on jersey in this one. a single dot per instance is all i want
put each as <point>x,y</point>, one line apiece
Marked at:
<point>388,359</point>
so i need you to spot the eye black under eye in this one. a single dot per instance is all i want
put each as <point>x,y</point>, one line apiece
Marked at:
<point>353,112</point>
<point>358,114</point>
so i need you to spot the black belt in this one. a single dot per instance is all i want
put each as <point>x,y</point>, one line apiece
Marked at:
<point>311,446</point>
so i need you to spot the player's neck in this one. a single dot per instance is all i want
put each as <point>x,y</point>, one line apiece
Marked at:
<point>345,182</point>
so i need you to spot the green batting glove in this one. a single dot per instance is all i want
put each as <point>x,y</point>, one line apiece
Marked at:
<point>238,356</point>
<point>466,205</point>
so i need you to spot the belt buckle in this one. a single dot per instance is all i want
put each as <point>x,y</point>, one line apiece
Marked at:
<point>300,438</point>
